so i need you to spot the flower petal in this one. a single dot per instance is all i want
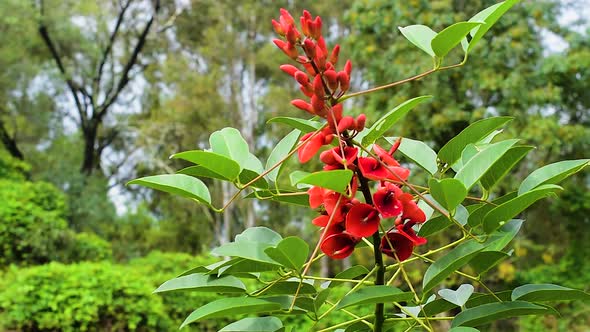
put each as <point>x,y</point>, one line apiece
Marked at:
<point>402,246</point>
<point>362,220</point>
<point>338,246</point>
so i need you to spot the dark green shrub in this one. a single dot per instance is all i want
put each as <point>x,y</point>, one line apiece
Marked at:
<point>80,297</point>
<point>32,228</point>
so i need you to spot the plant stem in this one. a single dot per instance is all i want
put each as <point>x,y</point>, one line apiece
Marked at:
<point>380,277</point>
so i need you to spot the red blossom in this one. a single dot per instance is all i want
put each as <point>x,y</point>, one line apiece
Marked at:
<point>410,234</point>
<point>338,246</point>
<point>362,220</point>
<point>386,200</point>
<point>412,211</point>
<point>372,169</point>
<point>402,246</point>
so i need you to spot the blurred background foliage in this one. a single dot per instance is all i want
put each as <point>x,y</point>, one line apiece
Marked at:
<point>79,251</point>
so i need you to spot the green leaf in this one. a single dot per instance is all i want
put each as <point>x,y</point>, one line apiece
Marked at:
<point>436,307</point>
<point>547,292</point>
<point>476,217</point>
<point>374,294</point>
<point>291,252</point>
<point>441,222</point>
<point>230,143</point>
<point>459,296</point>
<point>489,16</point>
<point>388,120</point>
<point>231,306</point>
<point>491,312</point>
<point>503,166</point>
<point>418,152</point>
<point>178,184</point>
<point>280,151</point>
<point>450,37</point>
<point>203,283</point>
<point>289,288</point>
<point>421,36</point>
<point>463,329</point>
<point>485,260</point>
<point>499,239</point>
<point>217,163</point>
<point>451,152</point>
<point>255,324</point>
<point>248,175</point>
<point>200,171</point>
<point>350,273</point>
<point>295,176</point>
<point>306,126</point>
<point>477,166</point>
<point>449,263</point>
<point>552,174</point>
<point>251,245</point>
<point>478,299</point>
<point>506,211</point>
<point>260,235</point>
<point>448,192</point>
<point>336,180</point>
<point>240,266</point>
<point>301,198</point>
<point>253,164</point>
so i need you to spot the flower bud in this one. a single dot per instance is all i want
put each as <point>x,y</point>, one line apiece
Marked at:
<point>346,123</point>
<point>337,109</point>
<point>316,28</point>
<point>278,28</point>
<point>395,146</point>
<point>305,26</point>
<point>328,139</point>
<point>309,68</point>
<point>309,48</point>
<point>331,78</point>
<point>318,86</point>
<point>334,55</point>
<point>286,16</point>
<point>344,81</point>
<point>360,122</point>
<point>322,45</point>
<point>307,90</point>
<point>289,69</point>
<point>293,35</point>
<point>303,105</point>
<point>291,51</point>
<point>301,78</point>
<point>348,67</point>
<point>327,157</point>
<point>318,105</point>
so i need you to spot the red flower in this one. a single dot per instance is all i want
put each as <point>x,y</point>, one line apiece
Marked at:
<point>402,246</point>
<point>372,169</point>
<point>338,246</point>
<point>387,202</point>
<point>362,220</point>
<point>408,232</point>
<point>316,196</point>
<point>310,148</point>
<point>412,212</point>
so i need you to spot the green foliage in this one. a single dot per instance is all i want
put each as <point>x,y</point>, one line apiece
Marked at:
<point>32,225</point>
<point>85,296</point>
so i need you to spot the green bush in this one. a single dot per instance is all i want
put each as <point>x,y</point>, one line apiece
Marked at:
<point>101,296</point>
<point>86,247</point>
<point>32,228</point>
<point>80,297</point>
<point>11,168</point>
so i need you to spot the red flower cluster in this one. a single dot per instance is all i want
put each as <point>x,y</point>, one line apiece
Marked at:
<point>344,218</point>
<point>318,80</point>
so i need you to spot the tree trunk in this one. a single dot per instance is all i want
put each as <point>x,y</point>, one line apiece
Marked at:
<point>90,159</point>
<point>227,190</point>
<point>10,143</point>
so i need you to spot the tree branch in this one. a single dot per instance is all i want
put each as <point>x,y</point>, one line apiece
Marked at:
<point>56,57</point>
<point>130,63</point>
<point>107,50</point>
<point>9,142</point>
